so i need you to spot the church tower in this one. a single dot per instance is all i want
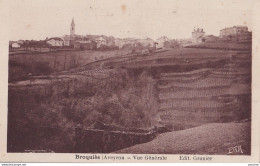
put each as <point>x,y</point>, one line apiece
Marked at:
<point>72,28</point>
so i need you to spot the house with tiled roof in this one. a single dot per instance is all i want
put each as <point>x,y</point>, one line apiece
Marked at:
<point>55,41</point>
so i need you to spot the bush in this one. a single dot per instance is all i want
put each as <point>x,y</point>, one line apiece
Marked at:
<point>42,68</point>
<point>17,71</point>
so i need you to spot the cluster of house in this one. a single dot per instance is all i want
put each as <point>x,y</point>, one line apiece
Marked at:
<point>230,34</point>
<point>91,42</point>
<point>16,44</point>
<point>88,41</point>
<point>233,34</point>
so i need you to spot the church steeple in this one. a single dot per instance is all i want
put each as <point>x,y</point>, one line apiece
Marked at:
<point>72,28</point>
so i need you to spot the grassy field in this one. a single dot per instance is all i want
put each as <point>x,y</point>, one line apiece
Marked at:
<point>224,46</point>
<point>20,65</point>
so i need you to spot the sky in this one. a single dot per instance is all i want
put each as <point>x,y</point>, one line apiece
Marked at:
<point>38,19</point>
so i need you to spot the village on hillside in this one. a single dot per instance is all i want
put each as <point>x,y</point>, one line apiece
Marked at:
<point>235,34</point>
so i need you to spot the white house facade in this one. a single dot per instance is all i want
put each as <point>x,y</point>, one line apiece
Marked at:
<point>160,42</point>
<point>55,42</point>
<point>16,45</point>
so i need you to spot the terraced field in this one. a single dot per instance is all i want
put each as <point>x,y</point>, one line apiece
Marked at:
<point>197,86</point>
<point>206,95</point>
<point>194,86</point>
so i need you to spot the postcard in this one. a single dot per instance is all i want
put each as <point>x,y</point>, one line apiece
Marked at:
<point>129,81</point>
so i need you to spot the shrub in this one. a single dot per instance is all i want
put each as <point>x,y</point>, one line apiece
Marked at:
<point>42,68</point>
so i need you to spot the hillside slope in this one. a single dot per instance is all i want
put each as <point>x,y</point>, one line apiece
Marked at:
<point>215,138</point>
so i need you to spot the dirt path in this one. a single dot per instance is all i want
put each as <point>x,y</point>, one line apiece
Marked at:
<point>215,138</point>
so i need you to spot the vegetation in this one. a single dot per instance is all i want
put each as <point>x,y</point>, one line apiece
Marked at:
<point>119,100</point>
<point>223,46</point>
<point>51,62</point>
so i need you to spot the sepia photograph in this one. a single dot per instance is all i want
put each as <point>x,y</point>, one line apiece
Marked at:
<point>130,77</point>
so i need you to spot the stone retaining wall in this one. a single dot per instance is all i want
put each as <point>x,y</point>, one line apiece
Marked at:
<point>102,141</point>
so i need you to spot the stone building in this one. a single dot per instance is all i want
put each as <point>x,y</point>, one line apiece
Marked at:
<point>78,41</point>
<point>233,31</point>
<point>70,39</point>
<point>198,36</point>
